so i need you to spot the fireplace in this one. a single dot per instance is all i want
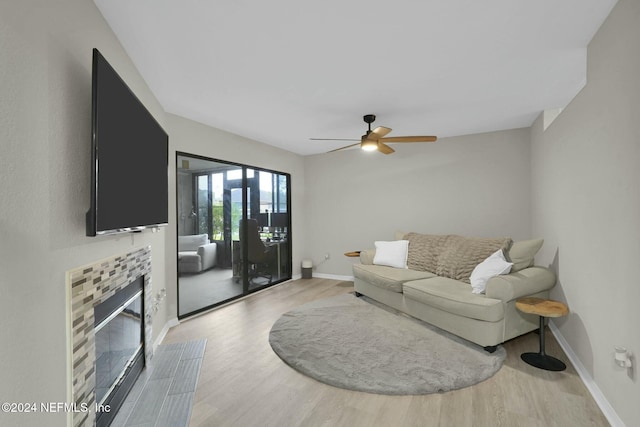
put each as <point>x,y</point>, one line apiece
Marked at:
<point>119,343</point>
<point>110,333</point>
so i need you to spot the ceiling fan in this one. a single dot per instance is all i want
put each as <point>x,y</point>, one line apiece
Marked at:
<point>375,139</point>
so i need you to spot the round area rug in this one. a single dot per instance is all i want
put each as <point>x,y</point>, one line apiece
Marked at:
<point>357,344</point>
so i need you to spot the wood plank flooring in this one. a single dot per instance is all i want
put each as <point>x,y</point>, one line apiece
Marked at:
<point>244,383</point>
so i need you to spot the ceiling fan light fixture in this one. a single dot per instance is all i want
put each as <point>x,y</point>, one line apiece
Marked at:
<point>369,145</point>
<point>377,140</point>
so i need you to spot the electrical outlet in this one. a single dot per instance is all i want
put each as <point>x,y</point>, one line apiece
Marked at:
<point>327,255</point>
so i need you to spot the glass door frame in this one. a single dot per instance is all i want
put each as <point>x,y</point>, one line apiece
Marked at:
<point>245,214</point>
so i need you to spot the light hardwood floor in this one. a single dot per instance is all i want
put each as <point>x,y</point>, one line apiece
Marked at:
<point>244,383</point>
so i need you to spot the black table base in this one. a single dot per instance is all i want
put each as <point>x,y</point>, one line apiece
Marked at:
<point>540,359</point>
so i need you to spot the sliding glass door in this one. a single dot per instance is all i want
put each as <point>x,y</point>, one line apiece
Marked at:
<point>234,230</point>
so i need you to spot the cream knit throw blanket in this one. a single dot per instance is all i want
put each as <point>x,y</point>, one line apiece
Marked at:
<point>449,255</point>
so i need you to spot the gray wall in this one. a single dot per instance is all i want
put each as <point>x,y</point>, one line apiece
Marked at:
<point>476,185</point>
<point>45,137</point>
<point>586,204</point>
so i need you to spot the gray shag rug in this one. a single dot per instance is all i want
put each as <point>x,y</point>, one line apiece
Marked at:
<point>357,344</point>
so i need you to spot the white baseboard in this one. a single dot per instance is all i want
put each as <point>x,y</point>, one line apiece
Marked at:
<point>325,276</point>
<point>170,324</point>
<point>587,379</point>
<point>333,276</point>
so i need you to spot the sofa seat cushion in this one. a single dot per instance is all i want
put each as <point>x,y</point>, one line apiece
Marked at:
<point>388,278</point>
<point>454,297</point>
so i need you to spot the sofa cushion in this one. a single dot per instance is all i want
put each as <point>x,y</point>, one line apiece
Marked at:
<point>388,278</point>
<point>367,255</point>
<point>424,250</point>
<point>391,254</point>
<point>521,254</point>
<point>454,297</point>
<point>493,266</point>
<point>461,255</point>
<point>449,255</point>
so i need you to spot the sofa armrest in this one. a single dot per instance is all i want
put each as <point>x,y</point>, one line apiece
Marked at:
<point>208,255</point>
<point>525,282</point>
<point>366,256</point>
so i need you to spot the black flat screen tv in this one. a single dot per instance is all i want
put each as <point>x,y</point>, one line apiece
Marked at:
<point>129,158</point>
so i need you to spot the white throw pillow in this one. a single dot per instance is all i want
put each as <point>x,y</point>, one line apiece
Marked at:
<point>493,266</point>
<point>392,254</point>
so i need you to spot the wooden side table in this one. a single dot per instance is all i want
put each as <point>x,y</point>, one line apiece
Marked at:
<point>543,308</point>
<point>352,254</point>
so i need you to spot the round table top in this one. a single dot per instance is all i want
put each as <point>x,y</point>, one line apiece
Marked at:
<point>352,254</point>
<point>542,307</point>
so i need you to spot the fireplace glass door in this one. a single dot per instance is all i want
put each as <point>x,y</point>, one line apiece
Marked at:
<point>119,340</point>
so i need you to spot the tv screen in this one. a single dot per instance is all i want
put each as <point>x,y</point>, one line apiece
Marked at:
<point>130,158</point>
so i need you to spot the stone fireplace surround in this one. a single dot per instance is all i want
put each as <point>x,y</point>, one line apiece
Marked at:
<point>87,287</point>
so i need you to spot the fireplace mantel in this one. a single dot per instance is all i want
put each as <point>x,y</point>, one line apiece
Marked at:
<point>88,286</point>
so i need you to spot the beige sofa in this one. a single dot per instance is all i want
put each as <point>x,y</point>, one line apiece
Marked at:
<point>487,319</point>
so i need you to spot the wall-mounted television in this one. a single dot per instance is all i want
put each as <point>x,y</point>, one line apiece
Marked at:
<point>129,158</point>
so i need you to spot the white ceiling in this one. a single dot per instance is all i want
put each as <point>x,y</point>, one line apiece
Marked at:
<point>284,71</point>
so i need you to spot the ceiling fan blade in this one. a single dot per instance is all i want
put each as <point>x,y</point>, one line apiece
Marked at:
<point>378,133</point>
<point>333,139</point>
<point>410,139</point>
<point>384,148</point>
<point>342,148</point>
